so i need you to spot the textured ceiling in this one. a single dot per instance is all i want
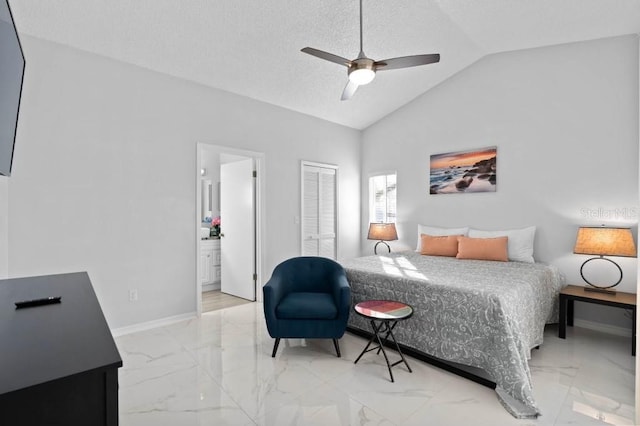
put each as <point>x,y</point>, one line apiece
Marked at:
<point>252,47</point>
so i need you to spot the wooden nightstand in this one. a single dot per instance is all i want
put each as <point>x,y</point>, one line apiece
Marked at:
<point>573,292</point>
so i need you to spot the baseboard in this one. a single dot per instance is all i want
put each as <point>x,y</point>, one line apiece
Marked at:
<point>143,326</point>
<point>605,328</point>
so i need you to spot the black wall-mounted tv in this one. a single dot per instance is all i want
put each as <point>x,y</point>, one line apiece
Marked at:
<point>11,78</point>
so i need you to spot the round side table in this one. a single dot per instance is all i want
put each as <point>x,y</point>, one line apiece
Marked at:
<point>383,316</point>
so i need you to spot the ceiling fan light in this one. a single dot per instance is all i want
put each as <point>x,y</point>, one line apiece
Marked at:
<point>362,76</point>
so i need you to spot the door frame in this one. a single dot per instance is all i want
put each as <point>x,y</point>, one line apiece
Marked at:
<point>260,202</point>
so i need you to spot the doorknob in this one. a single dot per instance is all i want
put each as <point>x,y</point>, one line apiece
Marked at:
<point>221,235</point>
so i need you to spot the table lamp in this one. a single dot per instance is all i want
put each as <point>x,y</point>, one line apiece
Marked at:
<point>382,232</point>
<point>601,241</point>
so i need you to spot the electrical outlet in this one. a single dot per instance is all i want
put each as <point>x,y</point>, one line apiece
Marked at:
<point>133,295</point>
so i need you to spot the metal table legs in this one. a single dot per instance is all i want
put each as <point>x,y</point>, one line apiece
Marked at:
<point>387,327</point>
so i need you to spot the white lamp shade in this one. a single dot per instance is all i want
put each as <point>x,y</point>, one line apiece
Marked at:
<point>362,76</point>
<point>603,241</point>
<point>382,232</point>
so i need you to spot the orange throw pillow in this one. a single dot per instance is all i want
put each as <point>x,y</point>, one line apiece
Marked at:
<point>446,245</point>
<point>483,248</point>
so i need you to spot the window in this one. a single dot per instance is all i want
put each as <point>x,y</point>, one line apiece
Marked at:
<point>382,198</point>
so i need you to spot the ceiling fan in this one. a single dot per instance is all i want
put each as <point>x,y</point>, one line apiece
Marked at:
<point>362,70</point>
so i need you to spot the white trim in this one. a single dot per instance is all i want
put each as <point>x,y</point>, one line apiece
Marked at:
<point>144,326</point>
<point>321,165</point>
<point>337,207</point>
<point>637,363</point>
<point>261,219</point>
<point>604,328</point>
<point>198,224</point>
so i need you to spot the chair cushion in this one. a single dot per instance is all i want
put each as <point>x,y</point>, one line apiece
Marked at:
<point>302,305</point>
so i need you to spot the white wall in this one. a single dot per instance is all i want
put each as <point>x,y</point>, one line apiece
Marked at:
<point>103,176</point>
<point>565,121</point>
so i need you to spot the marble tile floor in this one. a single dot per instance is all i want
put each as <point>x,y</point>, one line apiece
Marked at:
<point>218,370</point>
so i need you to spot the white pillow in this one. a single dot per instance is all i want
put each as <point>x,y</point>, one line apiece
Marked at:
<point>519,244</point>
<point>436,231</point>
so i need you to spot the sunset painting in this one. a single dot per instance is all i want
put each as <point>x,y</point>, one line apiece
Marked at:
<point>464,171</point>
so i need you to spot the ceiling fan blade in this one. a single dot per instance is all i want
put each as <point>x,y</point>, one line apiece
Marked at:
<point>327,56</point>
<point>406,62</point>
<point>349,90</point>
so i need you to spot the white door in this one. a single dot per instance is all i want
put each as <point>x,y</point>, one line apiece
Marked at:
<point>319,210</point>
<point>237,239</point>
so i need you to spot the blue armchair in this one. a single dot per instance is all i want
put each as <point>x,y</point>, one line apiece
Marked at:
<point>307,297</point>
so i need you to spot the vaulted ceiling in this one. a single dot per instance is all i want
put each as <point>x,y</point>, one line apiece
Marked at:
<point>252,47</point>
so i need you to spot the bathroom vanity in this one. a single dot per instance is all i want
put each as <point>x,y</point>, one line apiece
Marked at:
<point>210,264</point>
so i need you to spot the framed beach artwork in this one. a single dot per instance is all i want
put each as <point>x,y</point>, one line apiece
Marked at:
<point>464,171</point>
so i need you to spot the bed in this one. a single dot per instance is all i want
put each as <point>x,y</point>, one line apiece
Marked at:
<point>484,314</point>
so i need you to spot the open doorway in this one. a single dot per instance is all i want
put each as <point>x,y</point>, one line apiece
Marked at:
<point>229,222</point>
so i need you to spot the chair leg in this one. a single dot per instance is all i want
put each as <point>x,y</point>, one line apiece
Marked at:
<point>335,343</point>
<point>275,347</point>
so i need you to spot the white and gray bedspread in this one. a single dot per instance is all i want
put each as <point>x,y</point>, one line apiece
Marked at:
<point>484,314</point>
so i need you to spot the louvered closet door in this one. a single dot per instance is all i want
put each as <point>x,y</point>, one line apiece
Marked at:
<point>319,212</point>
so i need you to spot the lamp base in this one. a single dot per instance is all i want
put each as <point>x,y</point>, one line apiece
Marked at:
<point>375,248</point>
<point>599,290</point>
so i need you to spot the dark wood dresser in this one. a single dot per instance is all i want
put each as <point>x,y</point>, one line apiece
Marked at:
<point>58,362</point>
